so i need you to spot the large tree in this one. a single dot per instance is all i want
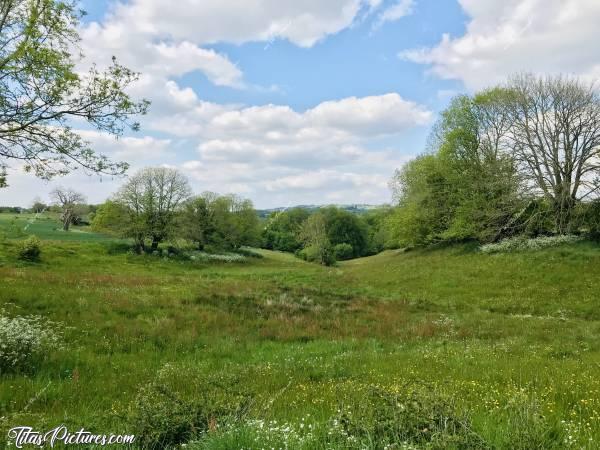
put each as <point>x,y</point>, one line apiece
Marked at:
<point>43,92</point>
<point>152,198</point>
<point>467,186</point>
<point>555,136</point>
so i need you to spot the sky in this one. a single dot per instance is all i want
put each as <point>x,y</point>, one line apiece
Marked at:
<point>292,102</point>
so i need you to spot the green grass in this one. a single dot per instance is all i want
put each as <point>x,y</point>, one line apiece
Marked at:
<point>508,343</point>
<point>44,226</point>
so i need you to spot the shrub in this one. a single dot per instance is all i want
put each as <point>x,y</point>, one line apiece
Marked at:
<point>23,340</point>
<point>343,251</point>
<point>412,417</point>
<point>249,253</point>
<point>321,254</point>
<point>215,257</point>
<point>29,249</point>
<point>521,243</point>
<point>180,405</point>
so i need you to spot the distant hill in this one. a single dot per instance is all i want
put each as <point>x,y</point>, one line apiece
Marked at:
<point>357,208</point>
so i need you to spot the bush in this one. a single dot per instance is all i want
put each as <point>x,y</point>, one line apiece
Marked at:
<point>320,254</point>
<point>23,340</point>
<point>248,253</point>
<point>29,249</point>
<point>412,417</point>
<point>521,243</point>
<point>343,251</point>
<point>180,406</point>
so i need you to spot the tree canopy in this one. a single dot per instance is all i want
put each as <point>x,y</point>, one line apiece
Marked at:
<point>43,91</point>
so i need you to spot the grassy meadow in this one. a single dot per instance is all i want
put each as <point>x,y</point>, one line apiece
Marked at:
<point>440,348</point>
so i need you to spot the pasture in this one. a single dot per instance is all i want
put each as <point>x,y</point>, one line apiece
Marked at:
<point>441,348</point>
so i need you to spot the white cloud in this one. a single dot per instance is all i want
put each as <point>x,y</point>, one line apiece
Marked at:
<point>165,38</point>
<point>302,23</point>
<point>398,10</point>
<point>138,151</point>
<point>508,36</point>
<point>273,149</point>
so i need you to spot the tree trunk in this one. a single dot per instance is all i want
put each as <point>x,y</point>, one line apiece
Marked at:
<point>66,223</point>
<point>155,242</point>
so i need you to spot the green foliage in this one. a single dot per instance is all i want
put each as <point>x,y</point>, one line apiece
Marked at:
<point>113,218</point>
<point>318,253</point>
<point>590,215</point>
<point>343,251</point>
<point>164,414</point>
<point>466,188</point>
<point>38,47</point>
<point>317,246</point>
<point>343,227</point>
<point>219,222</point>
<point>365,234</point>
<point>282,230</point>
<point>148,205</point>
<point>29,249</point>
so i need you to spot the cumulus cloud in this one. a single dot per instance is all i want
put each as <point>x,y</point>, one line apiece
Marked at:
<point>324,149</point>
<point>166,38</point>
<point>508,36</point>
<point>302,23</point>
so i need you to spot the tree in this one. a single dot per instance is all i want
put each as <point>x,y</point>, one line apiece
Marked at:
<point>70,203</point>
<point>467,186</point>
<point>344,227</point>
<point>555,136</point>
<point>317,246</point>
<point>114,218</point>
<point>42,92</point>
<point>197,220</point>
<point>38,206</point>
<point>224,222</point>
<point>152,198</point>
<point>282,228</point>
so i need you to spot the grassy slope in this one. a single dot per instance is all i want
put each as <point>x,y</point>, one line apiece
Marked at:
<point>44,226</point>
<point>504,335</point>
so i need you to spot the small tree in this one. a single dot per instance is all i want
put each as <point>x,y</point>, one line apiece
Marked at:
<point>317,246</point>
<point>70,203</point>
<point>38,206</point>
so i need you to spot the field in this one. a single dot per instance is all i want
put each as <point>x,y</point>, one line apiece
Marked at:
<point>444,348</point>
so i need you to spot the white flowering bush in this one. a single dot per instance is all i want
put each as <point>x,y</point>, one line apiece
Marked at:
<point>213,257</point>
<point>522,243</point>
<point>24,339</point>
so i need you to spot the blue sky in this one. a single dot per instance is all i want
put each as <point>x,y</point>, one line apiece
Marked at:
<point>303,101</point>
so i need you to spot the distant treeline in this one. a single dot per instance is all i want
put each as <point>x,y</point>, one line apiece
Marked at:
<point>328,234</point>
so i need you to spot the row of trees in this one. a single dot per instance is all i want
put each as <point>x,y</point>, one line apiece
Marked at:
<point>157,204</point>
<point>519,158</point>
